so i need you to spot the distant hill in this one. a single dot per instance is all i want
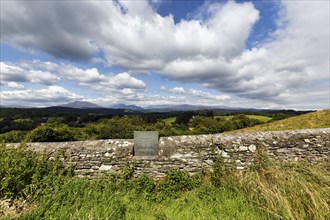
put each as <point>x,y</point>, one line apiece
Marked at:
<point>131,107</point>
<point>319,119</point>
<point>184,107</point>
<point>106,111</point>
<point>80,104</point>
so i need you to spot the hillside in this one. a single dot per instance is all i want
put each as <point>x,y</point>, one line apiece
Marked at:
<point>319,119</point>
<point>80,104</point>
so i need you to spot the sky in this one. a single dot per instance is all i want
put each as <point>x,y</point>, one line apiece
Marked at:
<point>267,54</point>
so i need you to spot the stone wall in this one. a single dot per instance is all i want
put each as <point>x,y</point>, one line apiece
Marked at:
<point>191,153</point>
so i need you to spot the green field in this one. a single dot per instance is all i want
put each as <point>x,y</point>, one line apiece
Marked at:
<point>169,121</point>
<point>319,119</point>
<point>258,117</point>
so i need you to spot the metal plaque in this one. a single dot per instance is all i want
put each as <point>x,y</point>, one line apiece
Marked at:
<point>145,143</point>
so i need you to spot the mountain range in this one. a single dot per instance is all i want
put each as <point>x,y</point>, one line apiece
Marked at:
<point>84,107</point>
<point>80,104</point>
<point>152,108</point>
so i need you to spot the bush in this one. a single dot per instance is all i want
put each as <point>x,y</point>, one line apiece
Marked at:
<point>13,136</point>
<point>48,133</point>
<point>144,183</point>
<point>24,173</point>
<point>177,181</point>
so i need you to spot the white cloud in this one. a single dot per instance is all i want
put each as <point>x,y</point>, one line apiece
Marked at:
<point>296,55</point>
<point>13,73</point>
<point>197,96</point>
<point>13,85</point>
<point>125,80</point>
<point>208,49</point>
<point>122,86</point>
<point>175,90</point>
<point>131,34</point>
<point>49,73</point>
<point>43,97</point>
<point>37,76</point>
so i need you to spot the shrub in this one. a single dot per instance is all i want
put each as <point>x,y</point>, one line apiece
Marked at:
<point>177,181</point>
<point>25,173</point>
<point>144,183</point>
<point>48,133</point>
<point>15,136</point>
<point>43,134</point>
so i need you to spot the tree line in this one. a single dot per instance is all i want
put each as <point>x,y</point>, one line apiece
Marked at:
<point>35,125</point>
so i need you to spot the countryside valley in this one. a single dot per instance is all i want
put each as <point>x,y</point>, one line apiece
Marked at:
<point>34,187</point>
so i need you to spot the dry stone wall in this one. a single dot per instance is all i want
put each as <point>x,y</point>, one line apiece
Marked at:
<point>190,153</point>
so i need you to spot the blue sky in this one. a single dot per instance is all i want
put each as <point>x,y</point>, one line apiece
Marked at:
<point>250,54</point>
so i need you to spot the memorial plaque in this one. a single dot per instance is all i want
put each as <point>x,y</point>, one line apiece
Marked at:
<point>145,143</point>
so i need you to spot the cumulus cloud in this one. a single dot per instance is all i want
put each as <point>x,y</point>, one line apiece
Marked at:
<point>175,90</point>
<point>51,26</point>
<point>42,97</point>
<point>49,73</point>
<point>13,85</point>
<point>14,73</point>
<point>122,86</point>
<point>197,95</point>
<point>208,49</point>
<point>130,33</point>
<point>293,57</point>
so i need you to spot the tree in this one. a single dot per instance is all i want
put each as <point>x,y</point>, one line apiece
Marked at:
<point>47,133</point>
<point>184,118</point>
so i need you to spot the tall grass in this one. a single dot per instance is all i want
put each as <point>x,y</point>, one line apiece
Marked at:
<point>268,190</point>
<point>296,190</point>
<point>178,196</point>
<point>319,119</point>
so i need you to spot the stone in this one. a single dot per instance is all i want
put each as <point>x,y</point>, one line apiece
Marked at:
<point>95,168</point>
<point>282,150</point>
<point>105,167</point>
<point>252,148</point>
<point>146,143</point>
<point>189,153</point>
<point>224,154</point>
<point>243,148</point>
<point>209,162</point>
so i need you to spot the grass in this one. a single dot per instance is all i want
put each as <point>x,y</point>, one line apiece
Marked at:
<point>169,121</point>
<point>205,202</point>
<point>269,190</point>
<point>290,191</point>
<point>258,117</point>
<point>319,119</point>
<point>84,199</point>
